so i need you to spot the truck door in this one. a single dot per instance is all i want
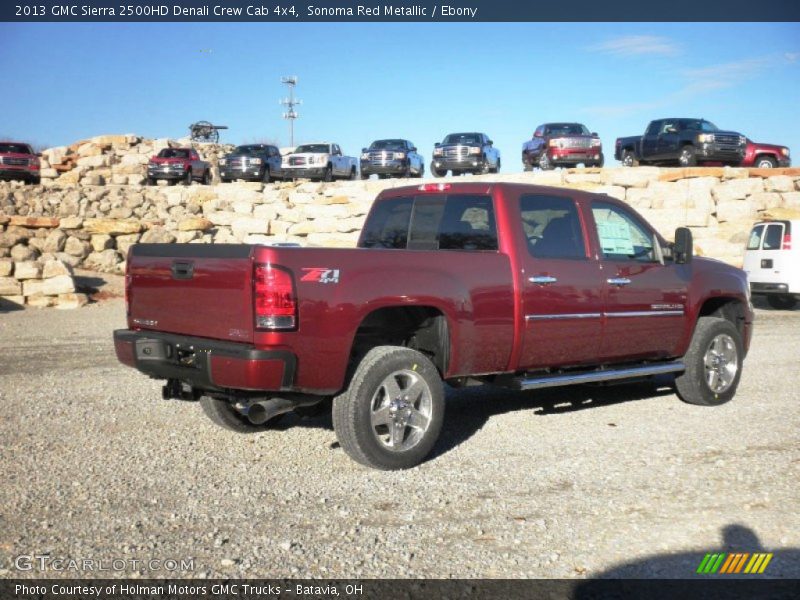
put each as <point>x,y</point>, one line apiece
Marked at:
<point>562,285</point>
<point>194,165</point>
<point>668,141</point>
<point>649,143</point>
<point>645,297</point>
<point>337,160</point>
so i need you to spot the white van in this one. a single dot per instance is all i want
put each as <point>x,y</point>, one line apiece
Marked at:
<point>773,264</point>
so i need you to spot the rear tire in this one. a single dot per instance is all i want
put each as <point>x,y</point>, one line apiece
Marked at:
<point>782,301</point>
<point>391,414</point>
<point>628,159</point>
<point>713,363</point>
<point>222,413</point>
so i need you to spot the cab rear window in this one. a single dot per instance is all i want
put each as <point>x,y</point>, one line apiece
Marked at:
<point>432,222</point>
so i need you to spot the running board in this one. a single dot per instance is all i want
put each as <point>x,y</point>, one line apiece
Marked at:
<point>545,381</point>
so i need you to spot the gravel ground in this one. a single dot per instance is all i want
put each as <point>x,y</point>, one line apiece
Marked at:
<point>564,483</point>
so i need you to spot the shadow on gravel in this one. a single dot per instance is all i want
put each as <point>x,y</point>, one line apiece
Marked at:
<point>682,569</point>
<point>468,409</point>
<point>7,305</point>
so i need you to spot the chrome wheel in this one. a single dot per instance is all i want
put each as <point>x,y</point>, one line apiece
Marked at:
<point>544,162</point>
<point>401,410</point>
<point>721,363</point>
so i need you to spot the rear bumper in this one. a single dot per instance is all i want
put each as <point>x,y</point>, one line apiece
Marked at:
<point>769,288</point>
<point>205,364</point>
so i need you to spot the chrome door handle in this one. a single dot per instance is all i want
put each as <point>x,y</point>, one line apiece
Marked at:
<point>542,279</point>
<point>620,281</point>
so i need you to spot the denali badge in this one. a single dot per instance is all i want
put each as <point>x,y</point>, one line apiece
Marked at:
<point>146,322</point>
<point>321,275</point>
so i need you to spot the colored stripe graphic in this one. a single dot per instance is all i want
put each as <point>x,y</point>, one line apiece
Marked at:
<point>733,563</point>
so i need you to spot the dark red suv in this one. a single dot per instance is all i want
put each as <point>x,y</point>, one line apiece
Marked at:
<point>19,161</point>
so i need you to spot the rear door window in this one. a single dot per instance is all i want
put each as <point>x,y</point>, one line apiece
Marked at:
<point>773,237</point>
<point>552,227</point>
<point>754,242</point>
<point>457,222</point>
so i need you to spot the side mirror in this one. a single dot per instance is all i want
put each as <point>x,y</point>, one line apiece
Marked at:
<point>490,142</point>
<point>363,150</point>
<point>594,134</point>
<point>413,148</point>
<point>683,247</point>
<point>437,144</point>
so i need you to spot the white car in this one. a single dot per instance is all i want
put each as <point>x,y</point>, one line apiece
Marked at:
<point>772,263</point>
<point>322,161</point>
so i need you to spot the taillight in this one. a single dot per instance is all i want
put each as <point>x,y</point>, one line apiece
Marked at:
<point>275,301</point>
<point>787,241</point>
<point>128,293</point>
<point>434,187</point>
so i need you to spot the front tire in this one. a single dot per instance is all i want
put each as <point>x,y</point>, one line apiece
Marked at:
<point>781,301</point>
<point>266,176</point>
<point>436,172</point>
<point>328,176</point>
<point>187,178</point>
<point>391,414</point>
<point>544,162</point>
<point>222,413</point>
<point>207,178</point>
<point>688,156</point>
<point>766,162</point>
<point>713,363</point>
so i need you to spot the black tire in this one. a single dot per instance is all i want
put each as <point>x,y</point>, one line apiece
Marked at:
<point>436,172</point>
<point>150,181</point>
<point>544,162</point>
<point>694,385</point>
<point>353,174</point>
<point>765,162</point>
<point>421,172</point>
<point>688,156</point>
<point>364,176</point>
<point>187,178</point>
<point>225,179</point>
<point>35,180</point>
<point>526,167</point>
<point>781,301</point>
<point>496,167</point>
<point>629,159</point>
<point>366,400</point>
<point>207,177</point>
<point>266,176</point>
<point>222,413</point>
<point>408,174</point>
<point>484,168</point>
<point>328,176</point>
<point>600,162</point>
<point>455,173</point>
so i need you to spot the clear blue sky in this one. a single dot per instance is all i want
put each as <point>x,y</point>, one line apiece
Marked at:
<point>358,82</point>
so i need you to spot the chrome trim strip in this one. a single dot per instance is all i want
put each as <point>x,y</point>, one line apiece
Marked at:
<point>646,313</point>
<point>594,376</point>
<point>563,316</point>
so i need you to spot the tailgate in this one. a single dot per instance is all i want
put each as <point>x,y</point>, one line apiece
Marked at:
<point>199,290</point>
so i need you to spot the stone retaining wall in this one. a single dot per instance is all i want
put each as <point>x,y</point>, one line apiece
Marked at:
<point>92,227</point>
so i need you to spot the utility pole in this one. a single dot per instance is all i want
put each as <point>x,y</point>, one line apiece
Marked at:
<point>290,103</point>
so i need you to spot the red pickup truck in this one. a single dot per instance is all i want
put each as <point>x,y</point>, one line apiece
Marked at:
<point>18,161</point>
<point>515,285</point>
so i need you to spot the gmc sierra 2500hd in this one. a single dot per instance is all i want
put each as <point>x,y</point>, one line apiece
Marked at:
<point>516,285</point>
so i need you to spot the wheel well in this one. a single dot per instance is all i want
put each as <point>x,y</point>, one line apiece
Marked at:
<point>730,309</point>
<point>422,328</point>
<point>765,155</point>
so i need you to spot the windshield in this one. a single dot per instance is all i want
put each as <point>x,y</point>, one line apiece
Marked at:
<point>558,129</point>
<point>173,153</point>
<point>313,149</point>
<point>249,149</point>
<point>388,145</point>
<point>16,148</point>
<point>700,125</point>
<point>462,138</point>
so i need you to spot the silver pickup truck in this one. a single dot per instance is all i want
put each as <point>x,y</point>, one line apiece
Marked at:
<point>322,161</point>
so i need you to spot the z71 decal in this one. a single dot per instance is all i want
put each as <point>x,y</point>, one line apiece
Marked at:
<point>320,275</point>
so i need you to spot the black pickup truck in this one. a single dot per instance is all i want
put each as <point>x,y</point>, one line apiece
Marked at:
<point>685,142</point>
<point>260,162</point>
